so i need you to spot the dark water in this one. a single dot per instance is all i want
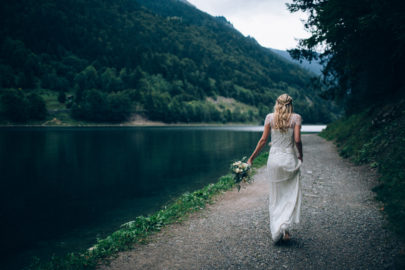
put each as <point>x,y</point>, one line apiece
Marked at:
<point>62,188</point>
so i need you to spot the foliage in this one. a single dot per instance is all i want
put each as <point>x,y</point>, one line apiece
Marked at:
<point>99,106</point>
<point>14,105</point>
<point>62,97</point>
<point>36,106</point>
<point>376,137</point>
<point>363,43</point>
<point>138,230</point>
<point>119,106</point>
<point>21,107</point>
<point>261,159</point>
<point>168,55</point>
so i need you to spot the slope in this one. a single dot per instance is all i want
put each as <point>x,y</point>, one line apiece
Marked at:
<point>105,61</point>
<point>313,66</point>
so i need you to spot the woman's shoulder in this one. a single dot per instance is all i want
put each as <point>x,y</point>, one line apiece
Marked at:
<point>296,118</point>
<point>268,118</point>
<point>270,115</point>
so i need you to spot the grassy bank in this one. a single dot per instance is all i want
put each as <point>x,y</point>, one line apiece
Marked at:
<point>137,231</point>
<point>377,137</point>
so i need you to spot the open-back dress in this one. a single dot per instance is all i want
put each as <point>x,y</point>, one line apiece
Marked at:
<point>283,172</point>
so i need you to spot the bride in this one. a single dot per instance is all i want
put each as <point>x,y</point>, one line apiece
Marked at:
<point>283,166</point>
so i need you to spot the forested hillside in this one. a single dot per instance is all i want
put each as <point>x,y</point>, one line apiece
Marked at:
<point>313,66</point>
<point>104,61</point>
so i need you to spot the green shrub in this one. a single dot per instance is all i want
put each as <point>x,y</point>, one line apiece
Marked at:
<point>377,137</point>
<point>36,107</point>
<point>15,105</point>
<point>20,107</point>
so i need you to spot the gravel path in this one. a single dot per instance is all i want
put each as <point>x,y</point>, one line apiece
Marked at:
<point>342,226</point>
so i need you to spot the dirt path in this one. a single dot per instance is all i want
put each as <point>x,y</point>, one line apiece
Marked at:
<point>341,226</point>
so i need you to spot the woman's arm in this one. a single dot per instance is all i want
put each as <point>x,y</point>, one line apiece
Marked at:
<point>297,139</point>
<point>260,144</point>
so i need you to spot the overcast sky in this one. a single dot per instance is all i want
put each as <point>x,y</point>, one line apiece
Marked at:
<point>268,21</point>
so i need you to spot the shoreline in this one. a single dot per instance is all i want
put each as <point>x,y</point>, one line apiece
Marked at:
<point>306,129</point>
<point>132,124</point>
<point>136,121</point>
<point>145,124</point>
<point>141,125</point>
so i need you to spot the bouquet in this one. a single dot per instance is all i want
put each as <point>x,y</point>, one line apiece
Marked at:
<point>241,171</point>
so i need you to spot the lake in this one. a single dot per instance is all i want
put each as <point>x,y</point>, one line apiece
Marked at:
<point>61,188</point>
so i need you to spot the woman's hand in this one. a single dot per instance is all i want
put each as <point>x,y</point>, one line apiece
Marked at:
<point>249,162</point>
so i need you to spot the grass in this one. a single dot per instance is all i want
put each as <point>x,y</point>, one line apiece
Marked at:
<point>377,137</point>
<point>223,103</point>
<point>51,99</point>
<point>138,230</point>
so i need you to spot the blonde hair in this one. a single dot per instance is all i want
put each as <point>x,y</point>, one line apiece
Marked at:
<point>282,112</point>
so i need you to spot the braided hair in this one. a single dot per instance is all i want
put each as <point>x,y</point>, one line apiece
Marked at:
<point>282,112</point>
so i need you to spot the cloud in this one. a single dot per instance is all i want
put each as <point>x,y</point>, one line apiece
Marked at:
<point>268,21</point>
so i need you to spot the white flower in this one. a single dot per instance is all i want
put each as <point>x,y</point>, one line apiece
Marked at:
<point>236,163</point>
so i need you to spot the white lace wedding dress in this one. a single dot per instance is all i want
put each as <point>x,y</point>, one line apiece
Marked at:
<point>283,172</point>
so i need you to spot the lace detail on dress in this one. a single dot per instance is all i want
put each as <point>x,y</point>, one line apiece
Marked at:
<point>295,119</point>
<point>267,120</point>
<point>283,139</point>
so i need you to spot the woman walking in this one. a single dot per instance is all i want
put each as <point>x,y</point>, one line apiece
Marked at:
<point>283,166</point>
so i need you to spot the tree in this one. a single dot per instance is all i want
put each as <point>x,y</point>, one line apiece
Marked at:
<point>62,97</point>
<point>363,45</point>
<point>228,115</point>
<point>15,105</point>
<point>93,106</point>
<point>87,78</point>
<point>7,76</point>
<point>119,106</point>
<point>156,104</point>
<point>110,81</point>
<point>36,107</point>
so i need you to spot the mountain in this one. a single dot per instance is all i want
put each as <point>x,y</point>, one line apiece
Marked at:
<point>314,66</point>
<point>106,61</point>
<point>186,2</point>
